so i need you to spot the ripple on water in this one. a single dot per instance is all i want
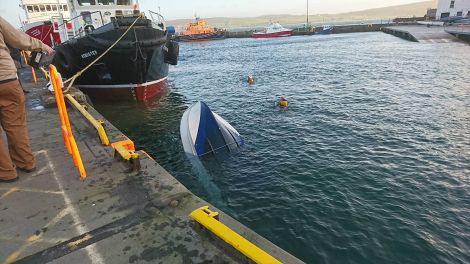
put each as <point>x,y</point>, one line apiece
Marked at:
<point>369,164</point>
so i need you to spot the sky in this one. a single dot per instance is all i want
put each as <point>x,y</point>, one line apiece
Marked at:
<point>175,9</point>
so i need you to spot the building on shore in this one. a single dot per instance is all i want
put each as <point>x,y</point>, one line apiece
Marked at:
<point>431,14</point>
<point>453,8</point>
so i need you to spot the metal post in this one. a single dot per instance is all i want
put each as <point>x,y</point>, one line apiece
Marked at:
<point>307,14</point>
<point>21,22</point>
<point>62,33</point>
<point>25,13</point>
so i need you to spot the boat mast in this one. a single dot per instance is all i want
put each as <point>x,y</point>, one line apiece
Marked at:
<point>25,13</point>
<point>307,14</point>
<point>21,22</point>
<point>61,24</point>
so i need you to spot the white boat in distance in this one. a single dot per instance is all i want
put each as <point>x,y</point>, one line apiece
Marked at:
<point>273,30</point>
<point>203,131</point>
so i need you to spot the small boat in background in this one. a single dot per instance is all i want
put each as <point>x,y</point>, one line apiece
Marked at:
<point>326,30</point>
<point>273,30</point>
<point>203,131</point>
<point>198,31</point>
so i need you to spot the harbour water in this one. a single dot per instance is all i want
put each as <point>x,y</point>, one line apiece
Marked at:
<point>369,164</point>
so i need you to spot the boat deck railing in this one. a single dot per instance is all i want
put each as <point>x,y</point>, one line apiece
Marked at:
<point>157,20</point>
<point>83,25</point>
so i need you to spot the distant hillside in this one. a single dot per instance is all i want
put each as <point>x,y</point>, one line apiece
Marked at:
<point>408,10</point>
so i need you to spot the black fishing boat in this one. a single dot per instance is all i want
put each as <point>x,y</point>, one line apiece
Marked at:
<point>135,68</point>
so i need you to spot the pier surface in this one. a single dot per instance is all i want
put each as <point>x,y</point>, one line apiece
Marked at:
<point>112,217</point>
<point>460,31</point>
<point>421,33</point>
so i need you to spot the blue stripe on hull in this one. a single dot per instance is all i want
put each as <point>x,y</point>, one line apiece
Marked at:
<point>208,136</point>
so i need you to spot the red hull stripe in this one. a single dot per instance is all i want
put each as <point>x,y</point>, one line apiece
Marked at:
<point>139,92</point>
<point>272,35</point>
<point>117,86</point>
<point>145,92</point>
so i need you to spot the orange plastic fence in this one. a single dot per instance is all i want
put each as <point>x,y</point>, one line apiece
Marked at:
<point>67,135</point>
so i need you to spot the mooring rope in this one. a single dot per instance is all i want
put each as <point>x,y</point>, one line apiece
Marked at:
<point>71,80</point>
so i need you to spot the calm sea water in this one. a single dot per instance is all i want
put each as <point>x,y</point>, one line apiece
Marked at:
<point>369,164</point>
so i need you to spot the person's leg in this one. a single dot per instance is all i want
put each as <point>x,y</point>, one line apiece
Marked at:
<point>7,169</point>
<point>13,121</point>
<point>21,85</point>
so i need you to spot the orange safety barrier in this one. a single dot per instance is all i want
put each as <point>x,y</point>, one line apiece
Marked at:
<point>67,135</point>
<point>33,72</point>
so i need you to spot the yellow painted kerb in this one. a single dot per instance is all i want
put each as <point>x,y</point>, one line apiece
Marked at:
<point>207,218</point>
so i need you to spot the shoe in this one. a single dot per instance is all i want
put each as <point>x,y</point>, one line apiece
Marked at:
<point>10,180</point>
<point>26,170</point>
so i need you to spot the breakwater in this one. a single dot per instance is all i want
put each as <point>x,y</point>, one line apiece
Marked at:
<point>310,31</point>
<point>421,33</point>
<point>461,32</point>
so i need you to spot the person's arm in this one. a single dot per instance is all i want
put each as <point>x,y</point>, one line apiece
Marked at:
<point>20,40</point>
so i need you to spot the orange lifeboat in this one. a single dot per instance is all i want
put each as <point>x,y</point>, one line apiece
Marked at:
<point>199,30</point>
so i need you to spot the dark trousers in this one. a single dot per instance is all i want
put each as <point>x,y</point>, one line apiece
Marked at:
<point>13,122</point>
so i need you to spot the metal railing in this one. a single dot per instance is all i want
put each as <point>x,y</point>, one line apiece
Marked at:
<point>159,21</point>
<point>81,30</point>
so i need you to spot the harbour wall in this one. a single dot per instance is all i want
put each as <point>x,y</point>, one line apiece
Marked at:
<point>462,32</point>
<point>306,31</point>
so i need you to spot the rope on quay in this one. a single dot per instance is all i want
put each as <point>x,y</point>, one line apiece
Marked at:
<point>71,80</point>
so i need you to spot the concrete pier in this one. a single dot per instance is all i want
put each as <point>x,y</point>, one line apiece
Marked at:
<point>421,33</point>
<point>113,216</point>
<point>304,31</point>
<point>462,32</point>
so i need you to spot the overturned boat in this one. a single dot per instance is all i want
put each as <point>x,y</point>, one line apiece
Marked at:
<point>203,131</point>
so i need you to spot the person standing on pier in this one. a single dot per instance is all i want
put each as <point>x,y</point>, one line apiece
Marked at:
<point>12,104</point>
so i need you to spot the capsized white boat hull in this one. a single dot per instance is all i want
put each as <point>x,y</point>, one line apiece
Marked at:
<point>203,131</point>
